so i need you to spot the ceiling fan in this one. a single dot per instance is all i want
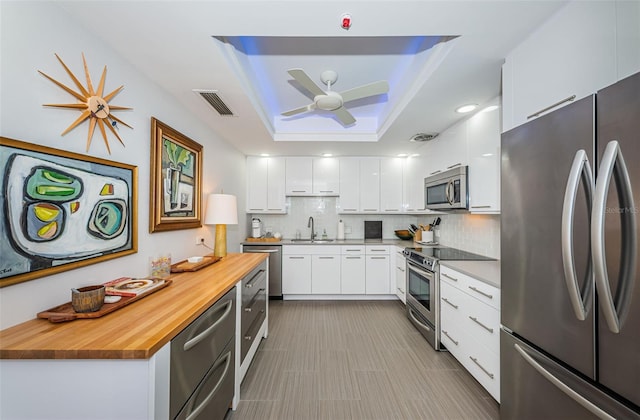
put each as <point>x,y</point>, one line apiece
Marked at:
<point>330,100</point>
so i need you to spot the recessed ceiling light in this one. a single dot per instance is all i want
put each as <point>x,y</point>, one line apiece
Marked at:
<point>487,154</point>
<point>415,155</point>
<point>466,108</point>
<point>327,154</point>
<point>264,154</point>
<point>490,108</point>
<point>402,155</point>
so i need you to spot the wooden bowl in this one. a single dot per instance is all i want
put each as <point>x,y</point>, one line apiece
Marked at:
<point>403,234</point>
<point>87,299</point>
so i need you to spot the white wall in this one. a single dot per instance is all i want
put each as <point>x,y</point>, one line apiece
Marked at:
<point>31,32</point>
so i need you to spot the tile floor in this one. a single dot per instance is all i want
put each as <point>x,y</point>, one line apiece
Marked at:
<point>354,360</point>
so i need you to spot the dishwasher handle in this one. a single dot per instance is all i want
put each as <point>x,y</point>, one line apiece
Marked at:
<point>260,251</point>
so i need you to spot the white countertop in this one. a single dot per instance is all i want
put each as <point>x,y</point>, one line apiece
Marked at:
<point>486,271</point>
<point>389,241</point>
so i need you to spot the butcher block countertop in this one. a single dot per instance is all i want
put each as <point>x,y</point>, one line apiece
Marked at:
<point>137,330</point>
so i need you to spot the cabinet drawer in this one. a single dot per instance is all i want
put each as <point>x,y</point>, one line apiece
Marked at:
<point>352,249</point>
<point>247,338</point>
<point>377,249</point>
<point>483,323</point>
<point>478,289</point>
<point>484,365</point>
<point>213,395</point>
<point>252,309</point>
<point>193,350</point>
<point>253,283</point>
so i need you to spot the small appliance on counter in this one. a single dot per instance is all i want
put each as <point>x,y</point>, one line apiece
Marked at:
<point>256,227</point>
<point>372,229</point>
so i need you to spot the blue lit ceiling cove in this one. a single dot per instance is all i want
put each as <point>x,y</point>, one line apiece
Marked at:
<point>261,65</point>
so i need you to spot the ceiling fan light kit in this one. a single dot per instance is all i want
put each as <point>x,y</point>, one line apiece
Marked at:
<point>330,100</point>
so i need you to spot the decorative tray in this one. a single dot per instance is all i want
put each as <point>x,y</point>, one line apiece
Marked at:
<point>263,240</point>
<point>65,312</point>
<point>185,265</point>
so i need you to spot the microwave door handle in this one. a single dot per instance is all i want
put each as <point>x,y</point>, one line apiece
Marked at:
<point>580,169</point>
<point>613,163</point>
<point>448,192</point>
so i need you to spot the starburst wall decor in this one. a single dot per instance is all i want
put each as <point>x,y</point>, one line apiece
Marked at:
<point>93,104</point>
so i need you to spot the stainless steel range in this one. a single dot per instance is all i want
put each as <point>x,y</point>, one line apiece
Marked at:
<point>423,287</point>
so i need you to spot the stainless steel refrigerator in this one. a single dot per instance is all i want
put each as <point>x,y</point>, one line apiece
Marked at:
<point>570,315</point>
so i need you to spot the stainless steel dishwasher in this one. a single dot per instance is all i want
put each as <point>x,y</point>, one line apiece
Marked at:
<point>275,266</point>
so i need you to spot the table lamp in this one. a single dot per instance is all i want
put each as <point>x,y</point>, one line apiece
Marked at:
<point>222,210</point>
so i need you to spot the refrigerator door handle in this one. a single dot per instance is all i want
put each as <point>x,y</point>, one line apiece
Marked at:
<point>561,385</point>
<point>580,170</point>
<point>613,164</point>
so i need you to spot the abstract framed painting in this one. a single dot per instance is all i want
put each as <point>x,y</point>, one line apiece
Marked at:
<point>61,210</point>
<point>176,180</point>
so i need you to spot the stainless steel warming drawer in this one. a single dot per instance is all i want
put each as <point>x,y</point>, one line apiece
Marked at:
<point>254,307</point>
<point>203,353</point>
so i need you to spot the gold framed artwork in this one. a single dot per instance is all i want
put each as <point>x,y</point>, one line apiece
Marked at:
<point>176,180</point>
<point>62,210</point>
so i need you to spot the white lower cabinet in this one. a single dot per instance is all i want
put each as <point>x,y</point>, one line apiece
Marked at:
<point>339,270</point>
<point>378,263</point>
<point>325,274</point>
<point>470,326</point>
<point>296,274</point>
<point>401,275</point>
<point>353,270</point>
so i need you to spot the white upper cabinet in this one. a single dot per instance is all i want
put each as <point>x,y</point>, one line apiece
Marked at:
<point>299,176</point>
<point>265,185</point>
<point>349,201</point>
<point>413,174</point>
<point>370,185</point>
<point>391,184</point>
<point>326,176</point>
<point>449,149</point>
<point>573,54</point>
<point>483,146</point>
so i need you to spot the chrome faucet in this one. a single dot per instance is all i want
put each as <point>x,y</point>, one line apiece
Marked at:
<point>310,224</point>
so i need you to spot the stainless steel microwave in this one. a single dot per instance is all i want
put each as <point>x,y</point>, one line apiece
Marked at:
<point>447,190</point>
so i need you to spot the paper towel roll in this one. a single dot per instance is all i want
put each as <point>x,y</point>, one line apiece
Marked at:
<point>340,230</point>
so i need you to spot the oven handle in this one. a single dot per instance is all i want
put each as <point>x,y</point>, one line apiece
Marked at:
<point>420,323</point>
<point>419,271</point>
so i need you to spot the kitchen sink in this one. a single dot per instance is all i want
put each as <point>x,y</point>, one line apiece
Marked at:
<point>314,241</point>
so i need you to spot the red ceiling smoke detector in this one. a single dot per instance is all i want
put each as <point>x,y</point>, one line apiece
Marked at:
<point>345,21</point>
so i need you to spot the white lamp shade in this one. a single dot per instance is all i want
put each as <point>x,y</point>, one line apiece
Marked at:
<point>222,209</point>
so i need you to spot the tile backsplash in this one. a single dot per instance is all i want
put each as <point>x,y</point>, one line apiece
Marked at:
<point>477,233</point>
<point>325,216</point>
<point>474,233</point>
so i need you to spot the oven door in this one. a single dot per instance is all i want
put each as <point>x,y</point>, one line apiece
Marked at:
<point>421,291</point>
<point>422,301</point>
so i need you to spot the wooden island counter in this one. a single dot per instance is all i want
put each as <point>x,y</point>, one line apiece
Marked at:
<point>115,366</point>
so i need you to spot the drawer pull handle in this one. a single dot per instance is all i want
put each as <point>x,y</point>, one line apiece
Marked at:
<point>227,360</point>
<point>326,191</point>
<point>378,258</point>
<point>474,360</point>
<point>450,338</point>
<point>349,209</point>
<point>369,209</point>
<point>354,250</point>
<point>569,99</point>
<point>480,207</point>
<point>454,165</point>
<point>299,191</point>
<point>325,258</point>
<point>198,338</point>
<point>435,172</point>
<point>400,290</point>
<point>249,284</point>
<point>353,258</point>
<point>474,319</point>
<point>249,337</point>
<point>449,277</point>
<point>481,292</point>
<point>253,300</point>
<point>296,258</point>
<point>447,300</point>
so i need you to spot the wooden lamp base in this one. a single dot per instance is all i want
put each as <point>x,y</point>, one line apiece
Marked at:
<point>220,245</point>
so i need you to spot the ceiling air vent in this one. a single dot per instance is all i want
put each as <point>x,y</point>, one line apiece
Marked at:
<point>422,137</point>
<point>213,98</point>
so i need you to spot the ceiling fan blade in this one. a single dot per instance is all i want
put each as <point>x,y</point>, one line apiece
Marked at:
<point>344,116</point>
<point>306,81</point>
<point>375,88</point>
<point>299,110</point>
